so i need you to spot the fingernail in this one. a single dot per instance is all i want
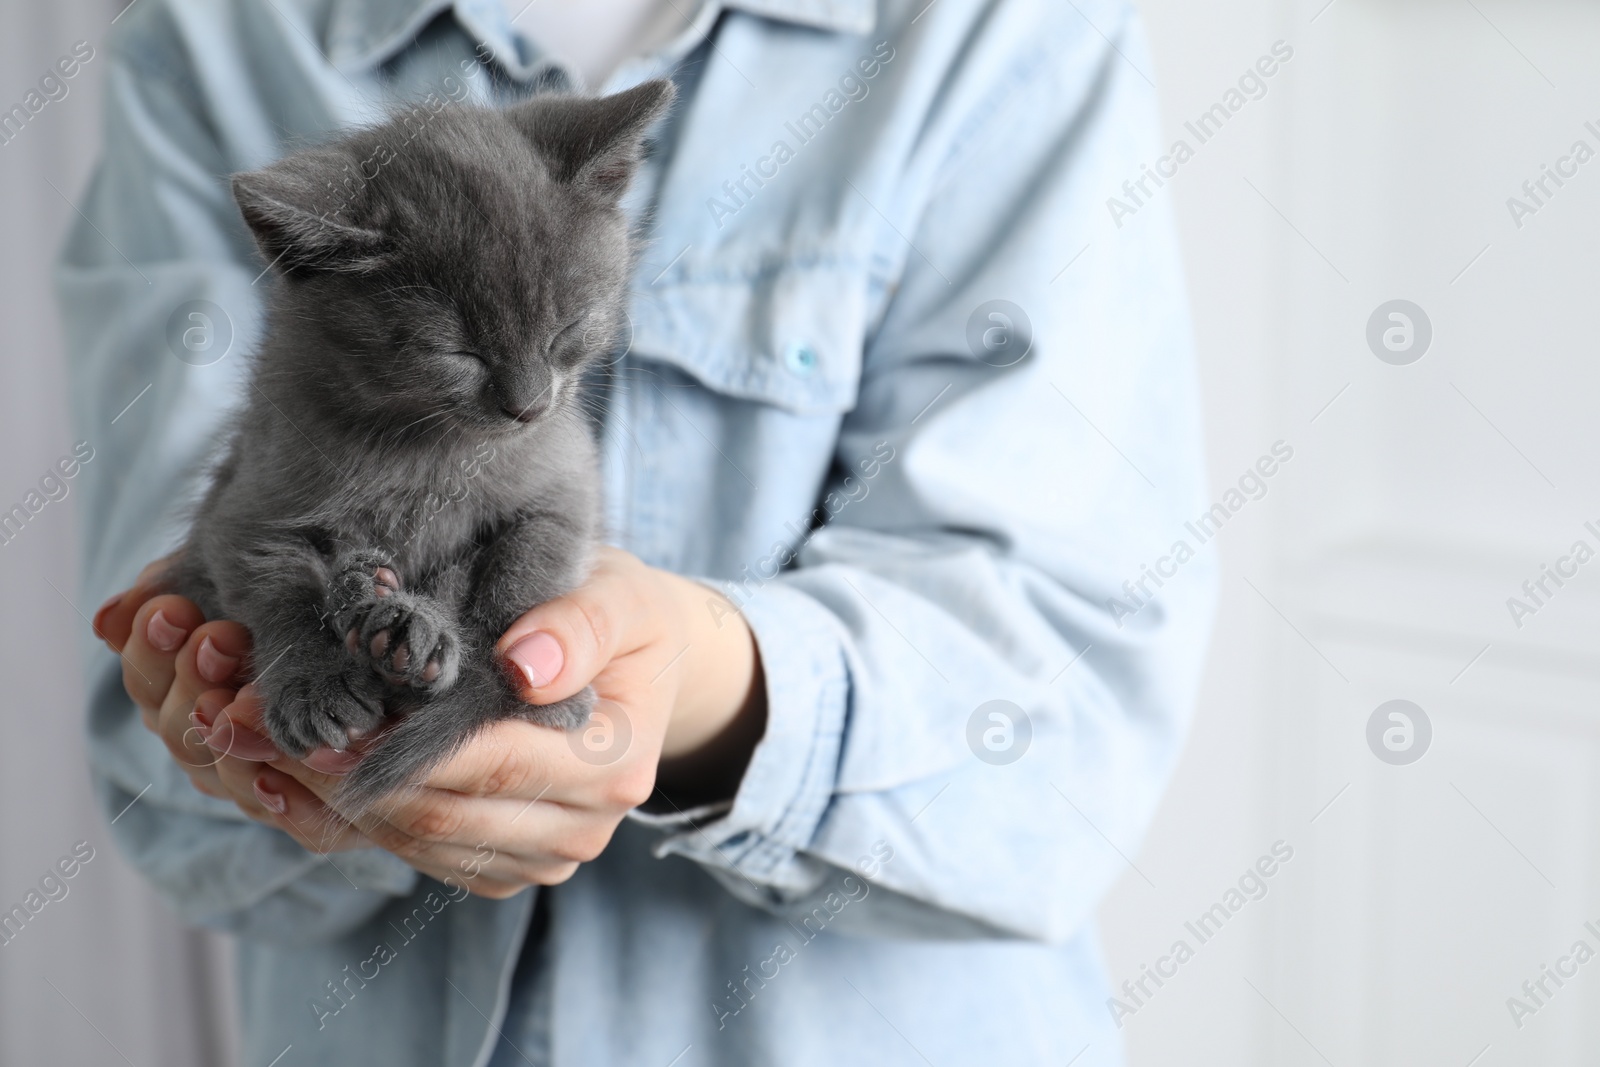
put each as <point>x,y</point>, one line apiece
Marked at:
<point>539,657</point>
<point>228,738</point>
<point>220,736</point>
<point>163,634</point>
<point>203,716</point>
<point>104,609</point>
<point>212,664</point>
<point>274,802</point>
<point>330,761</point>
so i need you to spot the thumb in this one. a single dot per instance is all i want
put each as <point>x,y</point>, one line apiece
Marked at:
<point>557,648</point>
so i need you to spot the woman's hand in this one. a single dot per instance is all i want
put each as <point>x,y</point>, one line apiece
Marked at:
<point>184,673</point>
<point>179,669</point>
<point>681,697</point>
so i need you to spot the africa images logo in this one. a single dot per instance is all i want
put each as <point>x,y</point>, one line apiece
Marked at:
<point>1399,732</point>
<point>999,732</point>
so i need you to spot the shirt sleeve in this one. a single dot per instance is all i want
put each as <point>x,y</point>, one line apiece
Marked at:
<point>156,287</point>
<point>980,671</point>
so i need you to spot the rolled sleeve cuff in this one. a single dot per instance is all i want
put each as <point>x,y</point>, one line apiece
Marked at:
<point>792,772</point>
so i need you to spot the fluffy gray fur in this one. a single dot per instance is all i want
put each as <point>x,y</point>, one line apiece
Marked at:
<point>413,469</point>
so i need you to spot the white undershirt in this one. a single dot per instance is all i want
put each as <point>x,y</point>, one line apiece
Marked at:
<point>595,37</point>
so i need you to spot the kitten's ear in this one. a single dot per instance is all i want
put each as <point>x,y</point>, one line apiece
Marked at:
<point>593,144</point>
<point>293,211</point>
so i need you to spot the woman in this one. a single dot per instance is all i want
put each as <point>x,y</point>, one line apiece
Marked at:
<point>898,389</point>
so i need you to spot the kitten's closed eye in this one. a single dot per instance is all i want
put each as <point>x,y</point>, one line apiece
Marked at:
<point>570,342</point>
<point>467,356</point>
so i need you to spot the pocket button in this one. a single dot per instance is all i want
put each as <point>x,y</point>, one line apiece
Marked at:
<point>800,358</point>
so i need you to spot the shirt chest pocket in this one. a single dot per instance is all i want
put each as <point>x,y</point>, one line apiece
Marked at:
<point>790,336</point>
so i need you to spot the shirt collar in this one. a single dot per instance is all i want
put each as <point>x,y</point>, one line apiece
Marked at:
<point>844,16</point>
<point>364,33</point>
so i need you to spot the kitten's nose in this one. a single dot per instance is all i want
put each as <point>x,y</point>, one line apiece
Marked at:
<point>530,412</point>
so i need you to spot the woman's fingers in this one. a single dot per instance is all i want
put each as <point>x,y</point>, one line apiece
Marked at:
<point>511,760</point>
<point>187,744</point>
<point>205,672</point>
<point>149,657</point>
<point>113,620</point>
<point>318,792</point>
<point>302,813</point>
<point>557,648</point>
<point>494,846</point>
<point>238,743</point>
<point>248,710</point>
<point>183,673</point>
<point>212,658</point>
<point>275,798</point>
<point>215,654</point>
<point>268,794</point>
<point>239,732</point>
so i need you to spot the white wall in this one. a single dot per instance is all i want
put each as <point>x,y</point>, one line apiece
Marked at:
<point>104,973</point>
<point>1426,894</point>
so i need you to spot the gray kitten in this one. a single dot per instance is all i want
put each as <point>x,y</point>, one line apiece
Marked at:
<point>413,469</point>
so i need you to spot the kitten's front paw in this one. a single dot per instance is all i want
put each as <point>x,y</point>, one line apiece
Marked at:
<point>359,577</point>
<point>408,640</point>
<point>313,710</point>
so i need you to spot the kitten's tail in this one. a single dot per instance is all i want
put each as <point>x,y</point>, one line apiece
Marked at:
<point>419,742</point>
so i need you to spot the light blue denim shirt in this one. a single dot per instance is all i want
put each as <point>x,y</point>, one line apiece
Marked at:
<point>922,500</point>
